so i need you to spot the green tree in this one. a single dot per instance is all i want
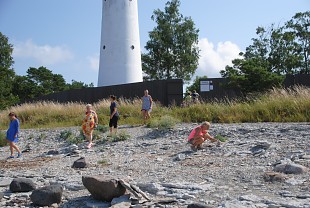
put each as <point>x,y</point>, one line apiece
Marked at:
<point>196,84</point>
<point>273,54</point>
<point>172,50</point>
<point>45,81</point>
<point>41,81</point>
<point>299,26</point>
<point>24,88</point>
<point>38,82</point>
<point>251,75</point>
<point>282,55</point>
<point>78,85</point>
<point>6,73</point>
<point>253,71</point>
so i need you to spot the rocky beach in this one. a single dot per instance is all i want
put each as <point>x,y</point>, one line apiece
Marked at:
<point>263,165</point>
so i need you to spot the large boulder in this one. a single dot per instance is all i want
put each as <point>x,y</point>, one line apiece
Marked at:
<point>22,185</point>
<point>103,188</point>
<point>290,168</point>
<point>46,196</point>
<point>80,163</point>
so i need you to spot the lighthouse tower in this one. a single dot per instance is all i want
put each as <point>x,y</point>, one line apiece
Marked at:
<point>120,55</point>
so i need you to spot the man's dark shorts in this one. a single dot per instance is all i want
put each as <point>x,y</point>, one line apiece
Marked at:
<point>113,121</point>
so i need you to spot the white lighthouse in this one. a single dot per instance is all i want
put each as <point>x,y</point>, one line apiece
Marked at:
<point>120,55</point>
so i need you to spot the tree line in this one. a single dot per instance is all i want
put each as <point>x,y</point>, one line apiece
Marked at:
<point>172,52</point>
<point>37,82</point>
<point>277,50</point>
<point>274,53</point>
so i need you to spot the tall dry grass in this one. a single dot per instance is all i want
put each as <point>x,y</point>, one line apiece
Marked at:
<point>45,114</point>
<point>53,114</point>
<point>277,105</point>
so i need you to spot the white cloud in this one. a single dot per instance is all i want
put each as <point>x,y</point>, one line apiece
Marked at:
<point>94,62</point>
<point>43,54</point>
<point>214,59</point>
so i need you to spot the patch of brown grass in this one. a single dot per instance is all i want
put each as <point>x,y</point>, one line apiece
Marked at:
<point>24,164</point>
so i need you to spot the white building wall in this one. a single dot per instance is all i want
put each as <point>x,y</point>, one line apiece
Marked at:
<point>120,55</point>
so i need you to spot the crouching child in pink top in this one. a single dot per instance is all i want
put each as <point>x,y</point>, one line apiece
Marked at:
<point>200,134</point>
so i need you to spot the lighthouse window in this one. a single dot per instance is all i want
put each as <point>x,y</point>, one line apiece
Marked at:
<point>103,47</point>
<point>132,47</point>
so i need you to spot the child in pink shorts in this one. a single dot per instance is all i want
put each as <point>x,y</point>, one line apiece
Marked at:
<point>200,134</point>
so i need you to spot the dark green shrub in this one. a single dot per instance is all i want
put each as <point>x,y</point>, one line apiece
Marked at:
<point>65,134</point>
<point>102,128</point>
<point>221,138</point>
<point>71,138</point>
<point>97,135</point>
<point>103,162</point>
<point>121,136</point>
<point>164,122</point>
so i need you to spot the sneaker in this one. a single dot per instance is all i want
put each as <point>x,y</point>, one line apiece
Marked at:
<point>11,157</point>
<point>19,155</point>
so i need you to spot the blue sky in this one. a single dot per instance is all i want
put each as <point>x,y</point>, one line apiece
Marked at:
<point>64,35</point>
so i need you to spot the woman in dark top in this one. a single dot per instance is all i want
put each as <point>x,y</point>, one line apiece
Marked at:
<point>113,115</point>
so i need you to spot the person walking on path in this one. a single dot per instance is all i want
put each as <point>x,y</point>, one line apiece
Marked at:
<point>199,135</point>
<point>12,135</point>
<point>114,115</point>
<point>147,102</point>
<point>89,123</point>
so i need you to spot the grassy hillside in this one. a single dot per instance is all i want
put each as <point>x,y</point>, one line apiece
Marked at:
<point>278,105</point>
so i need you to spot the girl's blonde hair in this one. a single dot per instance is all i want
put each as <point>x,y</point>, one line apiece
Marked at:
<point>206,123</point>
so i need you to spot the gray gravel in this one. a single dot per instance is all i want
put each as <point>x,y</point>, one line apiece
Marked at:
<point>162,164</point>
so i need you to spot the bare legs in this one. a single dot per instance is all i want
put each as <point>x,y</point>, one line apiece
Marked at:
<point>146,115</point>
<point>197,142</point>
<point>12,147</point>
<point>111,131</point>
<point>89,138</point>
<point>113,123</point>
